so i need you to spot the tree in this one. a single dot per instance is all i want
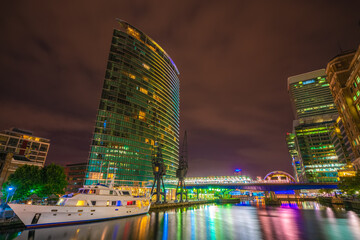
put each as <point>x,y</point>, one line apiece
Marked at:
<point>24,181</point>
<point>28,180</point>
<point>54,180</point>
<point>350,185</point>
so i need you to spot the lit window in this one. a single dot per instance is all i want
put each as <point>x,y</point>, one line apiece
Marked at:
<point>80,203</point>
<point>146,66</point>
<point>143,90</point>
<point>133,33</point>
<point>357,93</point>
<point>142,115</point>
<point>354,98</point>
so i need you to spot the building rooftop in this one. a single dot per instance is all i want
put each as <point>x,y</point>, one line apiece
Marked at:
<point>306,76</point>
<point>126,25</point>
<point>24,134</point>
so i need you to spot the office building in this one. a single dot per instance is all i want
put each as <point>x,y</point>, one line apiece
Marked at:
<point>295,162</point>
<point>310,94</point>
<point>318,157</point>
<point>343,75</point>
<point>138,111</point>
<point>312,149</point>
<point>75,176</point>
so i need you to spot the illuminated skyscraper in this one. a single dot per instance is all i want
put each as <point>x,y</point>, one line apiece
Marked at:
<point>310,94</point>
<point>139,109</point>
<point>291,143</point>
<point>311,145</point>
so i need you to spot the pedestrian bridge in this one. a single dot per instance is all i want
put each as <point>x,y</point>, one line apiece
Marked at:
<point>274,181</point>
<point>264,186</point>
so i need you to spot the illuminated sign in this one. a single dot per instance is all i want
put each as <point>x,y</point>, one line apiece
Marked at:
<point>308,82</point>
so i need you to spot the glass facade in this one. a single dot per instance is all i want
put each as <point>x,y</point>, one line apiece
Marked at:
<point>318,154</point>
<point>310,95</point>
<point>139,109</point>
<point>291,144</point>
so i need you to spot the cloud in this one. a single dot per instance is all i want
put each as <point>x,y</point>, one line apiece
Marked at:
<point>234,58</point>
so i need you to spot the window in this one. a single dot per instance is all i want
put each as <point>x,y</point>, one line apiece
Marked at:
<point>80,203</point>
<point>113,203</point>
<point>93,203</point>
<point>126,193</point>
<point>13,142</point>
<point>118,203</point>
<point>43,148</point>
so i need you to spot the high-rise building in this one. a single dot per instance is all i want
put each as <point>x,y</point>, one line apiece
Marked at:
<point>291,144</point>
<point>343,75</point>
<point>138,110</point>
<point>310,94</point>
<point>318,156</point>
<point>311,145</point>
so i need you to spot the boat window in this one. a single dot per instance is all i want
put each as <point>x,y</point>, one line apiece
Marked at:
<point>86,191</point>
<point>81,190</point>
<point>129,203</point>
<point>93,203</point>
<point>61,202</point>
<point>111,192</point>
<point>118,203</point>
<point>126,193</point>
<point>113,203</point>
<point>36,218</point>
<point>80,203</point>
<point>92,191</point>
<point>107,202</point>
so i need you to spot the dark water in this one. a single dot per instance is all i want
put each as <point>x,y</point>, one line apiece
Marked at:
<point>242,221</point>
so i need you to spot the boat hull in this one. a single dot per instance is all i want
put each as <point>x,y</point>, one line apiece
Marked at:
<point>35,216</point>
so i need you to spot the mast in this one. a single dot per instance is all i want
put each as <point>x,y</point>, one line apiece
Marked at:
<point>182,171</point>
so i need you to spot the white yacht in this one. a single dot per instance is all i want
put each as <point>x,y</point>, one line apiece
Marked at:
<point>91,203</point>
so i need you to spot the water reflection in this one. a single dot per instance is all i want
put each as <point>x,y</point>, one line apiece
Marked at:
<point>248,220</point>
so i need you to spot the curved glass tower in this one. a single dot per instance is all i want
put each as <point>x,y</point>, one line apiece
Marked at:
<point>139,109</point>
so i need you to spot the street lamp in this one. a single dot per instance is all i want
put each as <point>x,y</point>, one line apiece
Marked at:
<point>10,189</point>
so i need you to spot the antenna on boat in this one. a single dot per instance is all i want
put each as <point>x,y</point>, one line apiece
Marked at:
<point>111,185</point>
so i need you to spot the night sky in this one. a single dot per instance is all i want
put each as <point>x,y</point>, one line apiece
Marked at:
<point>234,59</point>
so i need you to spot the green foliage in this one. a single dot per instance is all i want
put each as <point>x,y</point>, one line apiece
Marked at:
<point>54,180</point>
<point>326,190</point>
<point>23,180</point>
<point>350,185</point>
<point>28,180</point>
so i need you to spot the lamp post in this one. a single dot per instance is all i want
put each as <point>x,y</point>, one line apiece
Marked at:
<point>10,189</point>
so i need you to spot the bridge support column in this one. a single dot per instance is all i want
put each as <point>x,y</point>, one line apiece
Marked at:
<point>273,195</point>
